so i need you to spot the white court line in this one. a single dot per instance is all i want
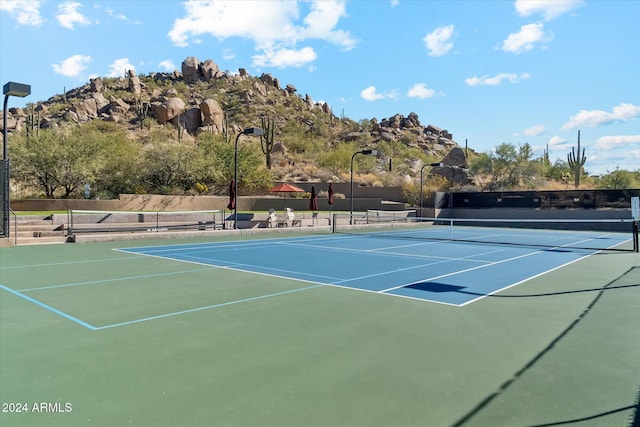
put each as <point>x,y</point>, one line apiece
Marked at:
<point>118,279</point>
<point>229,268</point>
<point>464,270</point>
<point>239,264</point>
<point>54,264</point>
<point>236,267</point>
<point>208,307</point>
<point>524,280</point>
<point>495,263</point>
<point>221,245</point>
<point>405,269</point>
<point>379,251</point>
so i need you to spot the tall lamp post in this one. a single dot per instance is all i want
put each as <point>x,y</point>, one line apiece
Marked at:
<point>247,131</point>
<point>421,169</point>
<point>367,153</point>
<point>9,89</point>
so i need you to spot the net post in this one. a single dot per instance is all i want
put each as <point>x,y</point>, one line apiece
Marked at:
<point>636,246</point>
<point>451,229</point>
<point>333,224</point>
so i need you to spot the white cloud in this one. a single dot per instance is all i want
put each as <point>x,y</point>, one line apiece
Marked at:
<point>420,90</point>
<point>549,9</point>
<point>556,141</point>
<point>617,141</point>
<point>371,94</point>
<point>72,66</point>
<point>68,15</point>
<point>274,27</point>
<point>592,118</point>
<point>439,42</point>
<point>534,130</point>
<point>526,39</point>
<point>119,67</point>
<point>395,3</point>
<point>116,15</point>
<point>285,57</point>
<point>496,80</point>
<point>228,54</point>
<point>321,21</point>
<point>167,65</point>
<point>25,12</point>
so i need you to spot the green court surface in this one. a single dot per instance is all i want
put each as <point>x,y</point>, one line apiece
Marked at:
<point>216,346</point>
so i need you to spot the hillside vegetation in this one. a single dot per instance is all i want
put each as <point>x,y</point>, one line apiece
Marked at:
<point>175,133</point>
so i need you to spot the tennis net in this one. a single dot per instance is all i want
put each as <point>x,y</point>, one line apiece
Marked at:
<point>88,221</point>
<point>597,234</point>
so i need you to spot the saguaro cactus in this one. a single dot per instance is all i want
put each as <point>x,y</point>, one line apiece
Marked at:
<point>576,161</point>
<point>266,140</point>
<point>225,128</point>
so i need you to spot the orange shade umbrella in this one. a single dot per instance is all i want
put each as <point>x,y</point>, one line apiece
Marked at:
<point>286,188</point>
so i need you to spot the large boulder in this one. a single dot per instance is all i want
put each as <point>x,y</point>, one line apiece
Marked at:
<point>212,114</point>
<point>290,89</point>
<point>191,119</point>
<point>191,69</point>
<point>269,80</point>
<point>84,110</point>
<point>134,83</point>
<point>100,100</point>
<point>455,157</point>
<point>96,85</point>
<point>118,106</point>
<point>169,109</point>
<point>454,168</point>
<point>209,69</point>
<point>455,175</point>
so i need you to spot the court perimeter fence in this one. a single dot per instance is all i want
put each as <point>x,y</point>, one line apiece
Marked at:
<point>557,199</point>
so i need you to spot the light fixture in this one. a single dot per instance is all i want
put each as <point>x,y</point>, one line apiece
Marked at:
<point>9,89</point>
<point>367,153</point>
<point>247,131</point>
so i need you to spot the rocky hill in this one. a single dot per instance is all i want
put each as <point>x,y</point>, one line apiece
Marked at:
<point>202,98</point>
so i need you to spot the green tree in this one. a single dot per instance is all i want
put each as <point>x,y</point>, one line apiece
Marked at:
<point>338,158</point>
<point>61,161</point>
<point>111,165</point>
<point>120,172</point>
<point>219,164</point>
<point>168,167</point>
<point>508,167</point>
<point>33,162</point>
<point>619,179</point>
<point>558,170</point>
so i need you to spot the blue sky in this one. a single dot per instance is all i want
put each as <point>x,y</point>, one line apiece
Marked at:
<point>490,72</point>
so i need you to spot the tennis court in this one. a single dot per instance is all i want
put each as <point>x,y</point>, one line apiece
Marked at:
<point>324,329</point>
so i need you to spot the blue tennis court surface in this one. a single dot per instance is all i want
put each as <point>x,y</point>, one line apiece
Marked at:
<point>445,272</point>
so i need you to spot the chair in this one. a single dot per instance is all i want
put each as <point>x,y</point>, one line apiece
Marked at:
<point>273,218</point>
<point>291,218</point>
<point>274,221</point>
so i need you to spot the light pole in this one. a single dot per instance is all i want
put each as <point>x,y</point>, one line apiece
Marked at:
<point>9,89</point>
<point>365,152</point>
<point>421,169</point>
<point>247,131</point>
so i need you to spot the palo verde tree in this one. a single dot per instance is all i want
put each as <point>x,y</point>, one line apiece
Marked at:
<point>59,162</point>
<point>507,167</point>
<point>219,161</point>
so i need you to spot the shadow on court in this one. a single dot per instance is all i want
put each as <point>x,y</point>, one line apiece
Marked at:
<point>554,344</point>
<point>445,288</point>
